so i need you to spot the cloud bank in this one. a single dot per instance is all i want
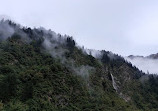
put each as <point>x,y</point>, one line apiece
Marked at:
<point>147,65</point>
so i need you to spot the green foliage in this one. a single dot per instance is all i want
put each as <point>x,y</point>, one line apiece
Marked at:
<point>15,105</point>
<point>34,81</point>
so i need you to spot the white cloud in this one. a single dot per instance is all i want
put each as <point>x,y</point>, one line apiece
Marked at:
<point>145,64</point>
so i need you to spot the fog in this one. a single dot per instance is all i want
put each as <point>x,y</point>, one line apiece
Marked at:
<point>5,30</point>
<point>147,65</point>
<point>53,43</point>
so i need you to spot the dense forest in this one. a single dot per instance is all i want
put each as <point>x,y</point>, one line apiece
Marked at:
<point>44,71</point>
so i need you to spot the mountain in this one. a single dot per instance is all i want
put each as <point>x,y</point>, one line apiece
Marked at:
<point>153,56</point>
<point>44,71</point>
<point>133,57</point>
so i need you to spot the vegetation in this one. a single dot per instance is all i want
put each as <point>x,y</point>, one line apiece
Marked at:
<point>31,79</point>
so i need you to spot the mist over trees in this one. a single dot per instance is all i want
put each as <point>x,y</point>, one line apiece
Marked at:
<point>44,71</point>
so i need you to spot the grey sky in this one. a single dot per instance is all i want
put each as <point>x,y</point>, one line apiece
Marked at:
<point>122,26</point>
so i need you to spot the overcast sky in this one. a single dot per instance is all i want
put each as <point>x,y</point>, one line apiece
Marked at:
<point>121,26</point>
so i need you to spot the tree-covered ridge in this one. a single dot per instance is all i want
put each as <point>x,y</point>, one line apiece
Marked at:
<point>44,71</point>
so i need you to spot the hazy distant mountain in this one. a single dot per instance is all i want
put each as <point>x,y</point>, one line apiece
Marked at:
<point>153,56</point>
<point>132,56</point>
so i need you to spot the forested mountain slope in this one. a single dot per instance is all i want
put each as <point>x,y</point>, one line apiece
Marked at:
<point>44,71</point>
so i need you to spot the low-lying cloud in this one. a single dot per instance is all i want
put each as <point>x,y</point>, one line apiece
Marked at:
<point>52,43</point>
<point>5,30</point>
<point>147,65</point>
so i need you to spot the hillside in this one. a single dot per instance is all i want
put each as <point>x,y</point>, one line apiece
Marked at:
<point>44,71</point>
